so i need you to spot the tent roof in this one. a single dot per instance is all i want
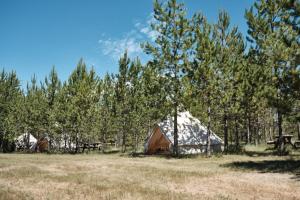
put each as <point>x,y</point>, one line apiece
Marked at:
<point>21,138</point>
<point>190,130</point>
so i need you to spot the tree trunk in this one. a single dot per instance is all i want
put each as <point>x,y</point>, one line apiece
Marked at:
<point>265,133</point>
<point>225,133</point>
<point>104,141</point>
<point>89,144</point>
<point>136,142</point>
<point>298,123</point>
<point>248,129</point>
<point>280,138</point>
<point>104,135</point>
<point>255,131</point>
<point>258,135</point>
<point>70,146</point>
<point>149,128</point>
<point>1,140</point>
<point>273,125</point>
<point>236,132</point>
<point>271,135</point>
<point>208,151</point>
<point>76,142</point>
<point>137,134</point>
<point>230,136</point>
<point>123,139</point>
<point>28,141</point>
<point>50,144</point>
<point>65,148</point>
<point>175,150</point>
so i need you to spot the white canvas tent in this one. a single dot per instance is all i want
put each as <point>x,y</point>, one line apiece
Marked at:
<point>192,136</point>
<point>21,141</point>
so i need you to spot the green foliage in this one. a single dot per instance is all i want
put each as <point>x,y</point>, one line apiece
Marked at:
<point>170,51</point>
<point>244,95</point>
<point>10,102</point>
<point>274,27</point>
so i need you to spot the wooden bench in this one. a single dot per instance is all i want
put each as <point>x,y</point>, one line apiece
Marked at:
<point>286,139</point>
<point>91,146</point>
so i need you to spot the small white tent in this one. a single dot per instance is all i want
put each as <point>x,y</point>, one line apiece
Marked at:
<point>21,141</point>
<point>192,136</point>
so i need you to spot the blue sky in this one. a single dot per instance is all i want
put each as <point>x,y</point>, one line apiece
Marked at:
<point>37,34</point>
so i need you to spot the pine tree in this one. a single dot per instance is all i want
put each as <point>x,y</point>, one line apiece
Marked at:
<point>201,72</point>
<point>170,51</point>
<point>122,100</point>
<point>62,110</point>
<point>76,93</point>
<point>90,119</point>
<point>52,87</point>
<point>106,113</point>
<point>135,102</point>
<point>229,57</point>
<point>154,98</point>
<point>35,110</point>
<point>274,27</point>
<point>10,112</point>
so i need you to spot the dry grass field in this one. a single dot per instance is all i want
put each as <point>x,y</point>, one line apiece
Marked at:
<point>116,176</point>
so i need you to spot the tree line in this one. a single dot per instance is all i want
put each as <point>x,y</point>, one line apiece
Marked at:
<point>245,90</point>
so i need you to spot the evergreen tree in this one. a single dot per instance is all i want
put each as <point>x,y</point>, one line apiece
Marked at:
<point>201,72</point>
<point>170,51</point>
<point>10,101</point>
<point>154,98</point>
<point>78,108</point>
<point>106,118</point>
<point>229,57</point>
<point>274,27</point>
<point>35,110</point>
<point>122,100</point>
<point>52,87</point>
<point>135,102</point>
<point>63,118</point>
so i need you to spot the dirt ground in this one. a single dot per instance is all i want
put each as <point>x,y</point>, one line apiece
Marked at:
<point>116,176</point>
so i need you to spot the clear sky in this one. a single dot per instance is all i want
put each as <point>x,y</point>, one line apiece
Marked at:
<point>37,34</point>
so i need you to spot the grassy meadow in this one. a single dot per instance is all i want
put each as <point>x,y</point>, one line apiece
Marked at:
<point>253,175</point>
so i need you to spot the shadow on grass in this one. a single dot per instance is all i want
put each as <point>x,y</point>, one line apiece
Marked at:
<point>267,152</point>
<point>167,156</point>
<point>289,166</point>
<point>110,152</point>
<point>271,152</point>
<point>143,155</point>
<point>158,155</point>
